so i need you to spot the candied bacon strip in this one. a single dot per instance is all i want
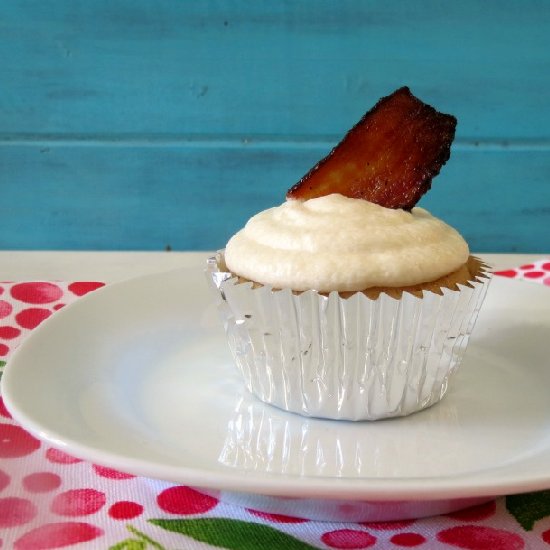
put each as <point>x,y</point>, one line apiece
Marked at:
<point>389,157</point>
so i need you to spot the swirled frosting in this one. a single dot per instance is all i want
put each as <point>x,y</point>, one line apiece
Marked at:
<point>338,243</point>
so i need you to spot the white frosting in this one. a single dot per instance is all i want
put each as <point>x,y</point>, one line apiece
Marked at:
<point>338,243</point>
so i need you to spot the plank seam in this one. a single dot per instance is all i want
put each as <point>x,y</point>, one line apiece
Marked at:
<point>239,141</point>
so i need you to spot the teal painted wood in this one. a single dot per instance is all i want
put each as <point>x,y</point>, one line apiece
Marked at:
<point>195,197</point>
<point>146,124</point>
<point>285,68</point>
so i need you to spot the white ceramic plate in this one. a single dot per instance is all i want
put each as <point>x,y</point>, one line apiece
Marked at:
<point>137,376</point>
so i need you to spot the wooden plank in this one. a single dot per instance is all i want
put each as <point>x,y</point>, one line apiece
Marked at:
<point>113,68</point>
<point>147,198</point>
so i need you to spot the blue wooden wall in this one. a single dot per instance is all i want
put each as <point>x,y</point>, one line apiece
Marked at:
<point>148,124</point>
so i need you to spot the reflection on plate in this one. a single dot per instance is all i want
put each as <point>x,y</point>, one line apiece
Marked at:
<point>137,376</point>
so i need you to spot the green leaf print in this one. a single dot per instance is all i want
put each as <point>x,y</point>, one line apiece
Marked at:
<point>141,542</point>
<point>529,508</point>
<point>232,534</point>
<point>130,544</point>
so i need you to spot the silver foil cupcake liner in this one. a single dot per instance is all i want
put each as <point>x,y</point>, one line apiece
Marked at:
<point>353,358</point>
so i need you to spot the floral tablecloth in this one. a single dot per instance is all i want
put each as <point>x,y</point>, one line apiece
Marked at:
<point>49,499</point>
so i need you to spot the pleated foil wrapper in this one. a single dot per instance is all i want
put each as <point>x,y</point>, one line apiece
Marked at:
<point>354,358</point>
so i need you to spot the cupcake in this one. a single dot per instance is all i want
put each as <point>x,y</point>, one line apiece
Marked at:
<point>347,301</point>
